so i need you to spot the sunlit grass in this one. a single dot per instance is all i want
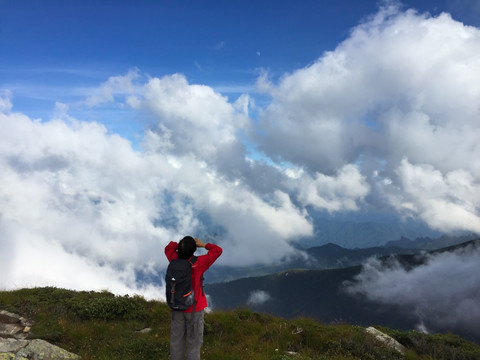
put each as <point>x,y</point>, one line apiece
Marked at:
<point>99,325</point>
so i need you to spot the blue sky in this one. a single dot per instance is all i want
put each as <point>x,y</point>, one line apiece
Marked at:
<point>126,124</point>
<point>58,51</point>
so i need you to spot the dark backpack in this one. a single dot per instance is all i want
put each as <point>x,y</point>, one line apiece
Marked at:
<point>179,290</point>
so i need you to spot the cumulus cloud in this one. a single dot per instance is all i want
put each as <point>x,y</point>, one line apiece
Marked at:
<point>5,103</point>
<point>81,209</point>
<point>444,292</point>
<point>70,205</point>
<point>447,202</point>
<point>388,119</point>
<point>199,119</point>
<point>342,192</point>
<point>258,297</point>
<point>403,85</point>
<point>115,85</point>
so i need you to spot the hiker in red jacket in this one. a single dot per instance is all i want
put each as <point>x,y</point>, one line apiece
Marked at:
<point>187,327</point>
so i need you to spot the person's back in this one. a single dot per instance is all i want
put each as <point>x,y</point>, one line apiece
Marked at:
<point>187,326</point>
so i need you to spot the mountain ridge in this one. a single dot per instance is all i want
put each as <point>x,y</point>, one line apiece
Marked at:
<point>321,294</point>
<point>331,255</point>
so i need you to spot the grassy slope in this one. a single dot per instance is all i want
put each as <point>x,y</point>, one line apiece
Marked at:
<point>103,326</point>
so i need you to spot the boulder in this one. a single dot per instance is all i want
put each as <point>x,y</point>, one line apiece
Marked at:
<point>42,350</point>
<point>387,340</point>
<point>13,325</point>
<point>36,349</point>
<point>10,330</point>
<point>14,344</point>
<point>9,318</point>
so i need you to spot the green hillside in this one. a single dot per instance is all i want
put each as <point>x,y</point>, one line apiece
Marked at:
<point>322,295</point>
<point>99,325</point>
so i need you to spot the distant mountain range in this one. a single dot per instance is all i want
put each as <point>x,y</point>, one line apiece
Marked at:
<point>426,243</point>
<point>321,294</point>
<point>329,256</point>
<point>333,256</point>
<point>358,233</point>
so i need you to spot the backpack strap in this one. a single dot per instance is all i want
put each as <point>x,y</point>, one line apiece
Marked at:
<point>193,260</point>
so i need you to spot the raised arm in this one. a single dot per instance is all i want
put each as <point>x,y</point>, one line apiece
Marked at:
<point>199,243</point>
<point>171,250</point>
<point>214,251</point>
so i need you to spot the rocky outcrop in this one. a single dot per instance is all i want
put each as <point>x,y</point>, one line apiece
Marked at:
<point>15,342</point>
<point>36,349</point>
<point>13,326</point>
<point>386,339</point>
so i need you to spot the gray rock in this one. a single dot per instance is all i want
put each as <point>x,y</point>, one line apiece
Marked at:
<point>10,330</point>
<point>144,331</point>
<point>13,345</point>
<point>13,325</point>
<point>9,318</point>
<point>386,339</point>
<point>42,350</point>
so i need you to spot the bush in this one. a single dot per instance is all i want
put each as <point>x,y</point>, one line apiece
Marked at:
<point>107,307</point>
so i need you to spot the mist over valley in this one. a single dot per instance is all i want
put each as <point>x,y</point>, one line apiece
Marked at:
<point>434,291</point>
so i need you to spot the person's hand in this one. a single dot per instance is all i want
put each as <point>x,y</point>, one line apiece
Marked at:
<point>199,243</point>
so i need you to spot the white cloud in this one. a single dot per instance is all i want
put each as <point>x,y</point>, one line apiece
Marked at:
<point>5,103</point>
<point>199,120</point>
<point>70,195</point>
<point>263,83</point>
<point>444,292</point>
<point>339,193</point>
<point>82,209</point>
<point>39,261</point>
<point>446,202</point>
<point>402,85</point>
<point>391,67</point>
<point>115,85</point>
<point>258,297</point>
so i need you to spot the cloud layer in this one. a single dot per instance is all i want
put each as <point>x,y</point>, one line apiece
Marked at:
<point>258,297</point>
<point>399,99</point>
<point>444,292</point>
<point>387,121</point>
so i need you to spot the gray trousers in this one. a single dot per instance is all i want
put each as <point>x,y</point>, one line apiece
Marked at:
<point>186,335</point>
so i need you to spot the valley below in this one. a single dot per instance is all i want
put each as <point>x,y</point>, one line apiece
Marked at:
<point>336,293</point>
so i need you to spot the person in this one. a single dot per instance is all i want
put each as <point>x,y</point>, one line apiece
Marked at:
<point>186,329</point>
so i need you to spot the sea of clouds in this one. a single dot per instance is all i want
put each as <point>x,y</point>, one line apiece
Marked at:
<point>443,293</point>
<point>388,120</point>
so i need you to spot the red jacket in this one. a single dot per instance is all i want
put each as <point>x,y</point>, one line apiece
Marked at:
<point>199,267</point>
